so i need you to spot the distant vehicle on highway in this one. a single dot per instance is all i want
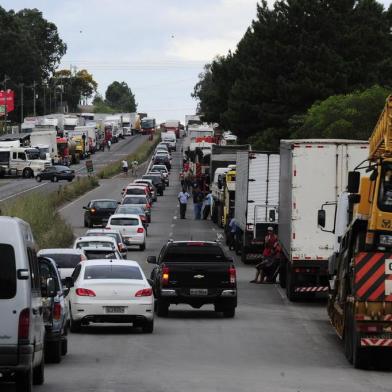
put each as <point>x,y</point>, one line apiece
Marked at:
<point>109,233</point>
<point>133,209</point>
<point>106,291</point>
<point>140,200</point>
<point>97,212</point>
<point>56,173</point>
<point>66,259</point>
<point>162,160</point>
<point>194,273</point>
<point>130,227</point>
<point>96,241</point>
<point>157,181</point>
<point>151,185</point>
<point>163,170</point>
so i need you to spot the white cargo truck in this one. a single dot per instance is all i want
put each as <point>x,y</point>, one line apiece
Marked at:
<point>311,173</point>
<point>256,204</point>
<point>45,140</point>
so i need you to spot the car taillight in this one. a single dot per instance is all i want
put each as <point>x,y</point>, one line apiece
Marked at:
<point>232,275</point>
<point>144,293</point>
<point>57,311</point>
<point>85,292</point>
<point>24,324</point>
<point>165,275</point>
<point>140,230</point>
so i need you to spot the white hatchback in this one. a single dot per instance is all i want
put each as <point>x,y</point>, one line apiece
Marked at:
<point>110,291</point>
<point>131,229</point>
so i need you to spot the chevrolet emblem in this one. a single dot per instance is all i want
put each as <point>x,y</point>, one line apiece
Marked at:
<point>198,276</point>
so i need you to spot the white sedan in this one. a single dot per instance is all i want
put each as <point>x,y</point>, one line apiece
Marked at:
<point>103,291</point>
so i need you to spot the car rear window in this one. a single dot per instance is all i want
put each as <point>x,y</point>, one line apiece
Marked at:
<point>194,253</point>
<point>130,210</point>
<point>7,272</point>
<point>86,244</point>
<point>124,222</point>
<point>135,191</point>
<point>64,260</point>
<point>96,255</point>
<point>105,204</point>
<point>134,200</point>
<point>104,234</point>
<point>112,272</point>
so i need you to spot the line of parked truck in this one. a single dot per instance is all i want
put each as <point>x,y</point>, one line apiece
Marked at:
<point>332,218</point>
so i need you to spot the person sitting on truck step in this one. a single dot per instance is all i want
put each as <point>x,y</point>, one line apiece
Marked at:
<point>267,270</point>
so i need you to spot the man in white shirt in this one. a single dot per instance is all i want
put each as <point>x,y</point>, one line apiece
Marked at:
<point>183,197</point>
<point>125,167</point>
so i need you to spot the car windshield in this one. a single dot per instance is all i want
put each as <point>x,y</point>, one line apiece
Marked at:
<point>102,244</point>
<point>104,234</point>
<point>124,222</point>
<point>194,253</point>
<point>134,200</point>
<point>64,260</point>
<point>7,272</point>
<point>112,272</point>
<point>105,204</point>
<point>104,254</point>
<point>130,210</point>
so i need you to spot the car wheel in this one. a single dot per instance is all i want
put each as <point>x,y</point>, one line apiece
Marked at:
<point>229,313</point>
<point>148,326</point>
<point>143,246</point>
<point>24,381</point>
<point>38,178</point>
<point>27,173</point>
<point>55,179</point>
<point>53,352</point>
<point>39,373</point>
<point>162,308</point>
<point>85,223</point>
<point>74,326</point>
<point>64,346</point>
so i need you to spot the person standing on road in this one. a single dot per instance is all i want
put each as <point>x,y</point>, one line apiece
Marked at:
<point>232,233</point>
<point>125,167</point>
<point>134,167</point>
<point>183,197</point>
<point>197,202</point>
<point>109,144</point>
<point>207,205</point>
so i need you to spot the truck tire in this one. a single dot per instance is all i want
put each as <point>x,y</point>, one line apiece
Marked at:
<point>347,337</point>
<point>282,274</point>
<point>360,356</point>
<point>39,373</point>
<point>290,285</point>
<point>27,173</point>
<point>24,381</point>
<point>53,352</point>
<point>243,256</point>
<point>162,308</point>
<point>64,346</point>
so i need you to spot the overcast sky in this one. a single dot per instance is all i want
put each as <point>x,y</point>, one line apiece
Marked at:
<point>157,46</point>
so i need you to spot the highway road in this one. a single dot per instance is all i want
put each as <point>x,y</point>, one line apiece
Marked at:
<point>11,187</point>
<point>270,346</point>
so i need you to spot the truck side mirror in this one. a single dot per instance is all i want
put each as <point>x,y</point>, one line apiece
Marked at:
<point>321,216</point>
<point>374,175</point>
<point>272,216</point>
<point>353,181</point>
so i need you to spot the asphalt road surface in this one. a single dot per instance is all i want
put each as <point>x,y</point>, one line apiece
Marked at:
<point>270,345</point>
<point>11,187</point>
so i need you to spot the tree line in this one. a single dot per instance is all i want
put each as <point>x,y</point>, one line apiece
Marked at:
<point>30,52</point>
<point>304,68</point>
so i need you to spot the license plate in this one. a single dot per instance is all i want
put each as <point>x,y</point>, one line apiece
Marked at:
<point>199,291</point>
<point>114,309</point>
<point>253,256</point>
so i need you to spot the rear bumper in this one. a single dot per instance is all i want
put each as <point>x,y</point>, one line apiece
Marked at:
<point>134,240</point>
<point>16,358</point>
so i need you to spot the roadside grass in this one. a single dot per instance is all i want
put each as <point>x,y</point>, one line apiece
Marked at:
<point>141,156</point>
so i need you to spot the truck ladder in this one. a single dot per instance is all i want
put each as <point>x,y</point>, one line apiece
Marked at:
<point>380,142</point>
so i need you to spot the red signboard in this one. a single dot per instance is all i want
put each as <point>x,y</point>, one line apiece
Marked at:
<point>7,98</point>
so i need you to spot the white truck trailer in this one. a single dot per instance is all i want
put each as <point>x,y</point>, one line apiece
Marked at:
<point>312,172</point>
<point>45,140</point>
<point>256,202</point>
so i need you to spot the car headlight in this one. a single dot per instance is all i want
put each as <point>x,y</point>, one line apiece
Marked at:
<point>385,239</point>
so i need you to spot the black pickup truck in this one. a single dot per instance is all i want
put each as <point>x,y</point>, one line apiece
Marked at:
<point>194,273</point>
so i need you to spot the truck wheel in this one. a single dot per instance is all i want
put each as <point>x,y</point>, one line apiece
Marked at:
<point>229,313</point>
<point>360,357</point>
<point>39,373</point>
<point>282,274</point>
<point>53,352</point>
<point>24,381</point>
<point>27,173</point>
<point>148,326</point>
<point>162,308</point>
<point>290,287</point>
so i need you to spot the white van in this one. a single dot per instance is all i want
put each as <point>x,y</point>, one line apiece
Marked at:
<point>170,138</point>
<point>22,330</point>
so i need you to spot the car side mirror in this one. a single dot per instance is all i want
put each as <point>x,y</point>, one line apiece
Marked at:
<point>321,217</point>
<point>85,207</point>
<point>48,289</point>
<point>272,216</point>
<point>354,178</point>
<point>151,260</point>
<point>69,282</point>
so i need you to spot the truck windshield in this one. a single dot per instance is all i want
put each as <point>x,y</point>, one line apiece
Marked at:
<point>385,192</point>
<point>191,253</point>
<point>7,272</point>
<point>33,154</point>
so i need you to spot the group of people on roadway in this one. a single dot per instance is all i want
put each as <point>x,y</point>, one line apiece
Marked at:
<point>201,202</point>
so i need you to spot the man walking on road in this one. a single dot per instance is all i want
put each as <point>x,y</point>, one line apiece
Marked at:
<point>125,167</point>
<point>183,197</point>
<point>197,202</point>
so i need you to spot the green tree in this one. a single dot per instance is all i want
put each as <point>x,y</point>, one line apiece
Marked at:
<point>120,97</point>
<point>350,116</point>
<point>100,106</point>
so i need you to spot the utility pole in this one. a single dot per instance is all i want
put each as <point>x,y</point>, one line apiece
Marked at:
<point>5,102</point>
<point>44,88</point>
<point>34,98</point>
<point>21,103</point>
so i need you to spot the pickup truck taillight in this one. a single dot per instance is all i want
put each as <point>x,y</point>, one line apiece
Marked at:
<point>56,311</point>
<point>165,276</point>
<point>24,324</point>
<point>232,275</point>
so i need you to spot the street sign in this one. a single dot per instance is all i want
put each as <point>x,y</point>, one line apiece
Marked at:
<point>7,98</point>
<point>2,109</point>
<point>89,166</point>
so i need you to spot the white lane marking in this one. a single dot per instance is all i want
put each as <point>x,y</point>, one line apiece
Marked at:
<point>25,191</point>
<point>76,200</point>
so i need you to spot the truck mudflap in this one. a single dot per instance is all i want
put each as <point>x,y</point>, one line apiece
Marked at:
<point>373,276</point>
<point>311,289</point>
<point>375,342</point>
